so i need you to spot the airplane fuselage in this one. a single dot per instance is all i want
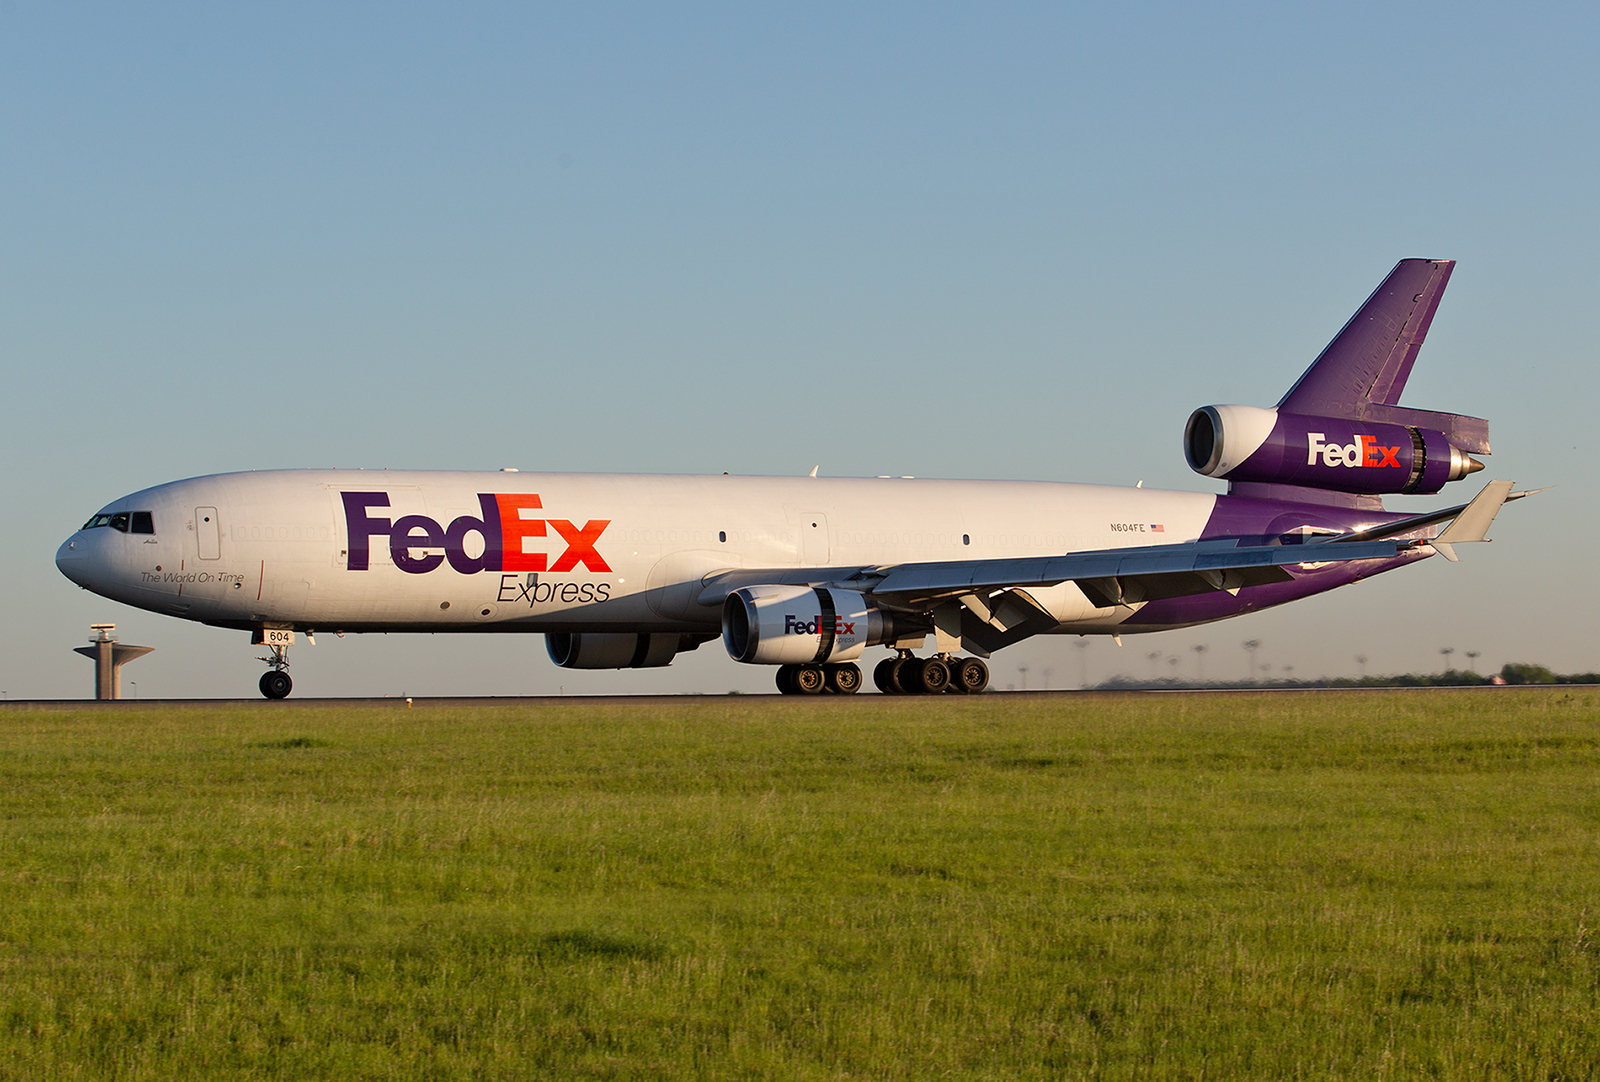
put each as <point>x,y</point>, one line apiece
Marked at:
<point>386,550</point>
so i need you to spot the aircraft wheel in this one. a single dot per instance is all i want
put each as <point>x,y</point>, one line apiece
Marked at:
<point>934,677</point>
<point>785,680</point>
<point>844,679</point>
<point>883,677</point>
<point>809,680</point>
<point>906,677</point>
<point>971,676</point>
<point>276,684</point>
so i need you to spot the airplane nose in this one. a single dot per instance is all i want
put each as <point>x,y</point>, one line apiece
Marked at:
<point>72,560</point>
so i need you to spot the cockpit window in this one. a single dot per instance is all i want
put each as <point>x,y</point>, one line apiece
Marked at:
<point>124,521</point>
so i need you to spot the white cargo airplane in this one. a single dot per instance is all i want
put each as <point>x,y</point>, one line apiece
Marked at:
<point>627,571</point>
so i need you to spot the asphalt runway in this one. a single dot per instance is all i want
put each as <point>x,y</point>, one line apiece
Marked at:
<point>617,700</point>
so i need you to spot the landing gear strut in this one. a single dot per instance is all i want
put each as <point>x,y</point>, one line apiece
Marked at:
<point>275,682</point>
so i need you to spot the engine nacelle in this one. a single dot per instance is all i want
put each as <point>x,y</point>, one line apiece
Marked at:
<point>1244,443</point>
<point>612,650</point>
<point>799,625</point>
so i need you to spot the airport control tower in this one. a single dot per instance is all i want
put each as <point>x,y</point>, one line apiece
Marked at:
<point>109,657</point>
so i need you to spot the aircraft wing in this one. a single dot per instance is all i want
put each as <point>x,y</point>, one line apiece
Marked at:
<point>1108,577</point>
<point>988,598</point>
<point>986,603</point>
<point>1127,576</point>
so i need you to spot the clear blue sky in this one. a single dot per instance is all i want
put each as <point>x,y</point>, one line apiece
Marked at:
<point>1011,241</point>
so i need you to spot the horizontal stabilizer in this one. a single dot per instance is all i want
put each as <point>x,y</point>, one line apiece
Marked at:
<point>1471,434</point>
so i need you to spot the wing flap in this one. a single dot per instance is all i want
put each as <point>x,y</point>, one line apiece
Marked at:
<point>993,623</point>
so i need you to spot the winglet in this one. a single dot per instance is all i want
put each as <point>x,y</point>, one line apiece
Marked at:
<point>1472,524</point>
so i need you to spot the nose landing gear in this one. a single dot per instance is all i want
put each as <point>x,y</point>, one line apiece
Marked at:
<point>275,682</point>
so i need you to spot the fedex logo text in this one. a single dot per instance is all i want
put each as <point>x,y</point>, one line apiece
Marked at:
<point>416,541</point>
<point>794,625</point>
<point>1363,452</point>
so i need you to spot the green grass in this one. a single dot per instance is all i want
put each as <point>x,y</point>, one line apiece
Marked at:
<point>1334,885</point>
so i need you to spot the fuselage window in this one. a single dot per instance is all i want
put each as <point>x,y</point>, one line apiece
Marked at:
<point>119,522</point>
<point>143,523</point>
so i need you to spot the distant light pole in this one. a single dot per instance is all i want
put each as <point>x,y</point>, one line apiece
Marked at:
<point>1199,649</point>
<point>1083,661</point>
<point>1447,651</point>
<point>1047,674</point>
<point>1023,669</point>
<point>1361,659</point>
<point>1472,661</point>
<point>1250,648</point>
<point>1155,659</point>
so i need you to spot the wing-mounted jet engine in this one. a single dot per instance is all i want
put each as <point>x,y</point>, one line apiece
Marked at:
<point>618,650</point>
<point>814,634</point>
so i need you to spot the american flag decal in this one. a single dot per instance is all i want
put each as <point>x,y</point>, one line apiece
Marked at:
<point>1156,527</point>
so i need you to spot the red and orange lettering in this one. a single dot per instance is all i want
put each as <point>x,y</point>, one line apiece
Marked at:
<point>1369,450</point>
<point>580,544</point>
<point>513,528</point>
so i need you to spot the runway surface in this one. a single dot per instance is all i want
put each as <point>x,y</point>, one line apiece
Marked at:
<point>616,700</point>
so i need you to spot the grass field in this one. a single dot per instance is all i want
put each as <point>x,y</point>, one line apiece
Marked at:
<point>1334,885</point>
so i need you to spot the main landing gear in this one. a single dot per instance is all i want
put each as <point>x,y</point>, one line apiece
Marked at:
<point>905,674</point>
<point>842,679</point>
<point>900,675</point>
<point>275,682</point>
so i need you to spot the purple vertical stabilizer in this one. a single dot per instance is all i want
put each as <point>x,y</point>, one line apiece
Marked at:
<point>1360,375</point>
<point>1369,360</point>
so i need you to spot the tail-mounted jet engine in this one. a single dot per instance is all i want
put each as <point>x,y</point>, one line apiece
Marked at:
<point>616,650</point>
<point>1245,443</point>
<point>802,625</point>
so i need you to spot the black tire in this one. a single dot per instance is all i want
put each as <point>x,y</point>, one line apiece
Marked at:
<point>810,679</point>
<point>276,684</point>
<point>844,679</point>
<point>785,680</point>
<point>934,677</point>
<point>906,676</point>
<point>971,676</point>
<point>881,676</point>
